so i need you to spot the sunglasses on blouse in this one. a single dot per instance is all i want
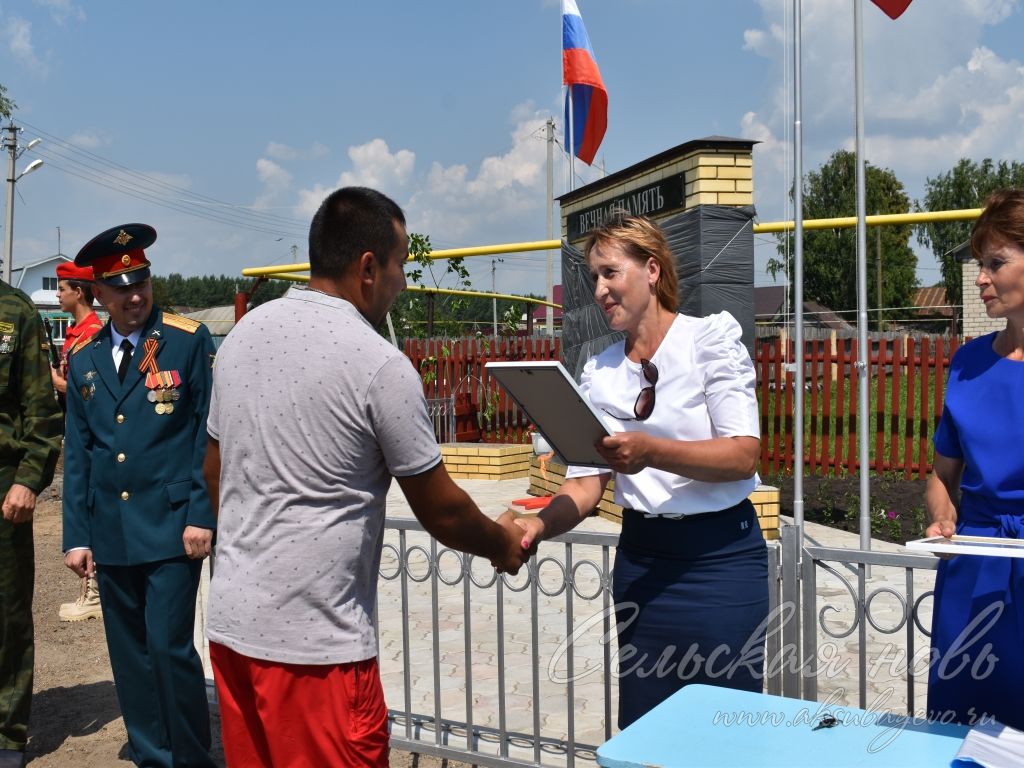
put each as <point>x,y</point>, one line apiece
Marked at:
<point>644,405</point>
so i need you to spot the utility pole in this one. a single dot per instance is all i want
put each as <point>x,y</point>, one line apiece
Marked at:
<point>550,314</point>
<point>10,145</point>
<point>878,275</point>
<point>494,301</point>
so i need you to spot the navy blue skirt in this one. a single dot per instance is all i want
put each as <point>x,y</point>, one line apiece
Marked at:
<point>691,600</point>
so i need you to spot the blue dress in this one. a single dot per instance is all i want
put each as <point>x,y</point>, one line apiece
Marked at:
<point>977,665</point>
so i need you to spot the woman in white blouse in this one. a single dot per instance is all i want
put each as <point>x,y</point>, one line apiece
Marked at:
<point>691,569</point>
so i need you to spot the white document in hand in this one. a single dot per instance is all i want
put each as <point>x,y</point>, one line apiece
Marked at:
<point>557,408</point>
<point>992,745</point>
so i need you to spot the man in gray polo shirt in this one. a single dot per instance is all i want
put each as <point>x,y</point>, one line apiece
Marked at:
<point>312,414</point>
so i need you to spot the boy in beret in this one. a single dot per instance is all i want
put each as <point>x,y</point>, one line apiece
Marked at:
<point>136,510</point>
<point>74,295</point>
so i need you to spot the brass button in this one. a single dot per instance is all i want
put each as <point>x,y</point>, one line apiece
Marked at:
<point>120,458</point>
<point>124,495</point>
<point>120,418</point>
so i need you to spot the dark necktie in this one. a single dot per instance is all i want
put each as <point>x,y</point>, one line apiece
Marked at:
<point>126,358</point>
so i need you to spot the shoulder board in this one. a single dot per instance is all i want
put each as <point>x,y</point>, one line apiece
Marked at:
<point>185,324</point>
<point>84,340</point>
<point>80,346</point>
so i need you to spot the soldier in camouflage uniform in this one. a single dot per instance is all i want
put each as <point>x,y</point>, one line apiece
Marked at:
<point>31,424</point>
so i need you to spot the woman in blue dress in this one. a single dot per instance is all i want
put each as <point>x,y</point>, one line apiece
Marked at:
<point>977,488</point>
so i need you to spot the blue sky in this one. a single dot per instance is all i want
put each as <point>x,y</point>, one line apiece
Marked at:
<point>224,123</point>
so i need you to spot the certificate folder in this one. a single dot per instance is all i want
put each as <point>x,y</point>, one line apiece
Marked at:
<point>557,408</point>
<point>970,545</point>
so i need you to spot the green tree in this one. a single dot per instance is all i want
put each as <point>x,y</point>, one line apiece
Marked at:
<point>411,312</point>
<point>965,186</point>
<point>210,291</point>
<point>830,255</point>
<point>6,105</point>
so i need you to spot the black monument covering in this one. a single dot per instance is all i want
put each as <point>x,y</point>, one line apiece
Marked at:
<point>714,250</point>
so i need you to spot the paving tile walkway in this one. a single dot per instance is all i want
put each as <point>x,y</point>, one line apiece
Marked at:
<point>501,637</point>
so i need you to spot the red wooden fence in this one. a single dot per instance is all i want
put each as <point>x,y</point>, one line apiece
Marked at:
<point>906,376</point>
<point>455,368</point>
<point>907,379</point>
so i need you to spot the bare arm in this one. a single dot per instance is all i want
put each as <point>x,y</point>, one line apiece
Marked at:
<point>575,500</point>
<point>942,494</point>
<point>59,382</point>
<point>718,460</point>
<point>453,518</point>
<point>211,473</point>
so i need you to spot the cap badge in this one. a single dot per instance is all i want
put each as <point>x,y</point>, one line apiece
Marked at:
<point>122,239</point>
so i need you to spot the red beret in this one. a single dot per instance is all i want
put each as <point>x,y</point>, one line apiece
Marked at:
<point>67,270</point>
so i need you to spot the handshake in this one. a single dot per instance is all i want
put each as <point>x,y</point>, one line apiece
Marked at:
<point>520,536</point>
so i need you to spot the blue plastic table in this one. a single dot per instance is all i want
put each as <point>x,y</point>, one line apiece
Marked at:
<point>707,727</point>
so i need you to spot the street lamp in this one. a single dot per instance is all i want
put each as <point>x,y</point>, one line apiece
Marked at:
<point>14,152</point>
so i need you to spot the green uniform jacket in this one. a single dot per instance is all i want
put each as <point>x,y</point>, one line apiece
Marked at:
<point>31,421</point>
<point>133,468</point>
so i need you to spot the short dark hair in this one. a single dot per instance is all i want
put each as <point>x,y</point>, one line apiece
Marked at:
<point>1002,220</point>
<point>351,221</point>
<point>81,285</point>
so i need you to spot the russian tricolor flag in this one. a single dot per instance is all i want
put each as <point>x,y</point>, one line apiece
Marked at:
<point>586,95</point>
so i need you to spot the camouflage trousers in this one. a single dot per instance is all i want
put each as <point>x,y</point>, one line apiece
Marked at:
<point>17,648</point>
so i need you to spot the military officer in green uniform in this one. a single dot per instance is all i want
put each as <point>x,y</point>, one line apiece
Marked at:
<point>31,424</point>
<point>136,509</point>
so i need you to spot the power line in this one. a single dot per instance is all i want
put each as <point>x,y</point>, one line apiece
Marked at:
<point>85,165</point>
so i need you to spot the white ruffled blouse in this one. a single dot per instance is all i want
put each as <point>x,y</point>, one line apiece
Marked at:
<point>706,389</point>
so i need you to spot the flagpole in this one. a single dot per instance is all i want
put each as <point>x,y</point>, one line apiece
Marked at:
<point>550,131</point>
<point>570,144</point>
<point>798,279</point>
<point>862,280</point>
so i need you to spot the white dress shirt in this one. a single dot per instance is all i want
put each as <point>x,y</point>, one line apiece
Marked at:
<point>706,389</point>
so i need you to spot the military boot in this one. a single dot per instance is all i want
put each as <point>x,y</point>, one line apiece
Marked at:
<point>87,606</point>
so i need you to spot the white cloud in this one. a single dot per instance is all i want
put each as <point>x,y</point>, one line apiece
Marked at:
<point>933,92</point>
<point>88,140</point>
<point>281,151</point>
<point>991,11</point>
<point>17,32</point>
<point>506,194</point>
<point>276,182</point>
<point>62,10</point>
<point>374,165</point>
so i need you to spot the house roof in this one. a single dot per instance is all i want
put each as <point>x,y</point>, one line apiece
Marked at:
<point>823,317</point>
<point>931,301</point>
<point>219,320</point>
<point>768,300</point>
<point>540,311</point>
<point>770,307</point>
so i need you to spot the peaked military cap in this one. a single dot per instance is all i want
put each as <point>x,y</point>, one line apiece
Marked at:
<point>117,256</point>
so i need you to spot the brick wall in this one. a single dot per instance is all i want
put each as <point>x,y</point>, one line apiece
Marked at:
<point>713,177</point>
<point>976,321</point>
